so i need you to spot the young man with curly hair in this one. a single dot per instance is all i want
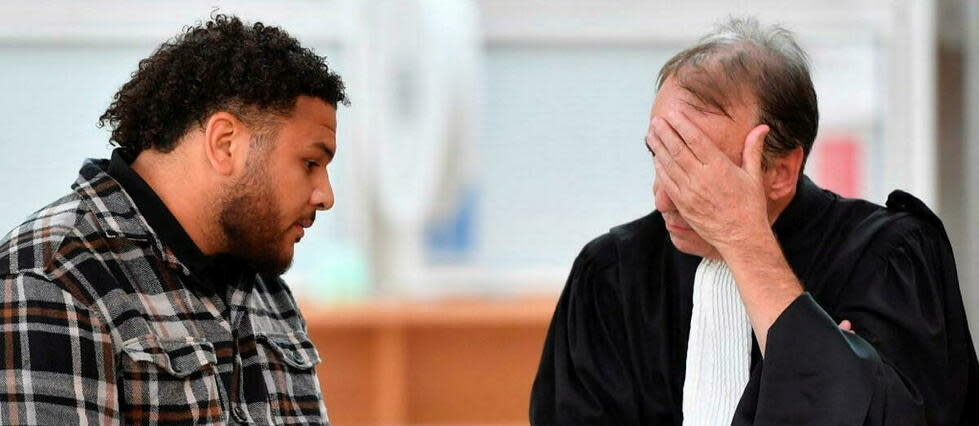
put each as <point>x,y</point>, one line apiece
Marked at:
<point>151,292</point>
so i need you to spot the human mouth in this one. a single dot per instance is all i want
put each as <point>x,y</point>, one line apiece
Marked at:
<point>301,227</point>
<point>677,228</point>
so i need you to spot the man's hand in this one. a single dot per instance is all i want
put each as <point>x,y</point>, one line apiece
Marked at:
<point>724,203</point>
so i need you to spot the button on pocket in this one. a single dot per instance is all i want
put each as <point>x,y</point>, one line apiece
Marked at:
<point>240,414</point>
<point>170,380</point>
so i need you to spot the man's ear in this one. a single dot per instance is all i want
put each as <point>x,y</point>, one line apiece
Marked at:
<point>225,142</point>
<point>783,174</point>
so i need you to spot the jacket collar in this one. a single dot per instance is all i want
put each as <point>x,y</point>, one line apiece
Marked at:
<point>809,203</point>
<point>115,212</point>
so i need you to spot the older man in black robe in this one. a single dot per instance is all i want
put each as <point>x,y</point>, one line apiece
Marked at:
<point>751,296</point>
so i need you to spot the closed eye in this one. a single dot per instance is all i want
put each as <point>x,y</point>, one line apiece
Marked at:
<point>310,165</point>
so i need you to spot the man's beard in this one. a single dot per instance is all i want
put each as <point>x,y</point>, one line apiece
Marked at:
<point>249,217</point>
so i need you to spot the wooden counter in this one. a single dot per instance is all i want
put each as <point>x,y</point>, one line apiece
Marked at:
<point>450,362</point>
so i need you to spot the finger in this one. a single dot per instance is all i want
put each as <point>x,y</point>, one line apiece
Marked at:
<point>846,325</point>
<point>666,181</point>
<point>754,147</point>
<point>675,145</point>
<point>696,140</point>
<point>667,162</point>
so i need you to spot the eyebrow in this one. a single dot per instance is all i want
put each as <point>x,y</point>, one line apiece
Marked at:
<point>326,150</point>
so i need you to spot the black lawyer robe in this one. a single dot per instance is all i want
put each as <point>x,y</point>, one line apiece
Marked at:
<point>616,349</point>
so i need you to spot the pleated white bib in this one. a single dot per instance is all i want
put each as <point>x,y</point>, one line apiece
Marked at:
<point>718,350</point>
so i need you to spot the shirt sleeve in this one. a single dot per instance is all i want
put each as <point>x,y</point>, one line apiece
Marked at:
<point>56,362</point>
<point>910,362</point>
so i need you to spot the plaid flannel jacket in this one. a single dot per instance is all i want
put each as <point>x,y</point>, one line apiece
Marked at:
<point>101,324</point>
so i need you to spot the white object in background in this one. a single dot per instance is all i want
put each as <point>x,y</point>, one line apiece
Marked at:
<point>423,95</point>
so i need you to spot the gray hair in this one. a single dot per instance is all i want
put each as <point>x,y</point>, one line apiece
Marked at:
<point>741,58</point>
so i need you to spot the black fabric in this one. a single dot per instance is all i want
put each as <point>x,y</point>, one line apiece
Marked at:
<point>218,274</point>
<point>616,349</point>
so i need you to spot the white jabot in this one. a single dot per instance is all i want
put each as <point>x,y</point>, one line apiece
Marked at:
<point>719,348</point>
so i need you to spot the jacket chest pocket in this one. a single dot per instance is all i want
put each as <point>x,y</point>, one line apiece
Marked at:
<point>170,381</point>
<point>294,391</point>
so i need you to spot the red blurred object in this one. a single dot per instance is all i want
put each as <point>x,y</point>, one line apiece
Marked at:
<point>840,165</point>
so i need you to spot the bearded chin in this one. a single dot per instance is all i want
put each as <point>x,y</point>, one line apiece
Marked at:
<point>247,219</point>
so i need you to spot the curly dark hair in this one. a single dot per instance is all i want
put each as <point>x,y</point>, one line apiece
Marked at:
<point>221,65</point>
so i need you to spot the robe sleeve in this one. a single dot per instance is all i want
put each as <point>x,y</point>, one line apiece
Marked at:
<point>583,377</point>
<point>911,361</point>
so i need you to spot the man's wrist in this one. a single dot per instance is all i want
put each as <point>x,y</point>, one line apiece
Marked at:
<point>765,280</point>
<point>762,262</point>
<point>754,246</point>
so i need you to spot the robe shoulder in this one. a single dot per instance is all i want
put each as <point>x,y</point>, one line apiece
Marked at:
<point>904,220</point>
<point>594,367</point>
<point>853,229</point>
<point>609,248</point>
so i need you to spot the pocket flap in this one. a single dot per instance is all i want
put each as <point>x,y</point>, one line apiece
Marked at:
<point>179,357</point>
<point>294,348</point>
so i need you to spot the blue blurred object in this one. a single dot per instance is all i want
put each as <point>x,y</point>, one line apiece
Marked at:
<point>451,238</point>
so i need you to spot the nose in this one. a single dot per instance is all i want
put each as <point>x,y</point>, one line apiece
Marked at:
<point>322,196</point>
<point>663,201</point>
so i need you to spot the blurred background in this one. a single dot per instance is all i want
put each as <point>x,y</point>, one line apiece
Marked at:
<point>487,142</point>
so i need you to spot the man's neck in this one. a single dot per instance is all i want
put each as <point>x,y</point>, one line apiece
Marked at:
<point>183,195</point>
<point>777,207</point>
